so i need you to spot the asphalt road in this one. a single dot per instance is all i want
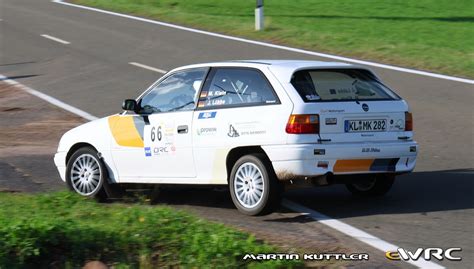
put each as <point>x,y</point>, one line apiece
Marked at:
<point>432,207</point>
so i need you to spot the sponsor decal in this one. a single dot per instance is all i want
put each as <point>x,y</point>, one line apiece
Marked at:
<point>312,97</point>
<point>365,107</point>
<point>206,131</point>
<point>158,150</point>
<point>331,121</point>
<point>400,124</point>
<point>246,129</point>
<point>207,115</point>
<point>365,150</point>
<point>232,132</point>
<point>164,150</point>
<point>345,91</point>
<point>333,110</point>
<point>424,253</point>
<point>147,151</point>
<point>307,256</point>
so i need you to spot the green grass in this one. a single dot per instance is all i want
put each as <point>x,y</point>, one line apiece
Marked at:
<point>434,35</point>
<point>66,230</point>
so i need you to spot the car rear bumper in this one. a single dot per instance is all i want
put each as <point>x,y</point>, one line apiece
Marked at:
<point>311,160</point>
<point>60,162</point>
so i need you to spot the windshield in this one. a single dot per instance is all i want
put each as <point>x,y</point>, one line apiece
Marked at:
<point>339,85</point>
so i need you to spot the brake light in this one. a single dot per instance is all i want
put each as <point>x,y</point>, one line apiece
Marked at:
<point>303,124</point>
<point>408,121</point>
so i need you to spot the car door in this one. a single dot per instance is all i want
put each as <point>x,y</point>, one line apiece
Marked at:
<point>237,107</point>
<point>164,126</point>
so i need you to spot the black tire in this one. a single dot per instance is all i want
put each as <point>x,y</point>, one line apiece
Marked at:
<point>271,190</point>
<point>96,172</point>
<point>372,185</point>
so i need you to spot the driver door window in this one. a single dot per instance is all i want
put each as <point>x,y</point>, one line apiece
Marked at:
<point>177,92</point>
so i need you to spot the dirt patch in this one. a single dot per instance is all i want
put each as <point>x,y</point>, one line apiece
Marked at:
<point>29,135</point>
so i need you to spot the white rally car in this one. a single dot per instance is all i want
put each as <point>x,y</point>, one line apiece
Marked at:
<point>251,125</point>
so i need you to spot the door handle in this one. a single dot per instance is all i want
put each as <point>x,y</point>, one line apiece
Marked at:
<point>182,129</point>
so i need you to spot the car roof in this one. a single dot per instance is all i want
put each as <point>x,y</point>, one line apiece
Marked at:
<point>283,69</point>
<point>295,64</point>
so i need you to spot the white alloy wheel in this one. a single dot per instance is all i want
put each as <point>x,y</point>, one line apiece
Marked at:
<point>86,175</point>
<point>249,185</point>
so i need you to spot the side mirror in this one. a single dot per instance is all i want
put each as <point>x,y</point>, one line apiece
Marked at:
<point>130,105</point>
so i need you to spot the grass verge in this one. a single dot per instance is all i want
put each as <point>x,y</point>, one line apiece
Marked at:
<point>434,35</point>
<point>63,230</point>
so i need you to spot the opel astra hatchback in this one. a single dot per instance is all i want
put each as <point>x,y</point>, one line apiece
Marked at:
<point>255,126</point>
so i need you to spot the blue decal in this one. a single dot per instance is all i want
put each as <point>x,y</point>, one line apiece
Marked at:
<point>147,151</point>
<point>207,115</point>
<point>346,126</point>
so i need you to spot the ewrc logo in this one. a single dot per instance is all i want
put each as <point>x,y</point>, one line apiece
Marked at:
<point>428,253</point>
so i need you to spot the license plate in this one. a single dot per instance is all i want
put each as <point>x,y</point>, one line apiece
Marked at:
<point>365,126</point>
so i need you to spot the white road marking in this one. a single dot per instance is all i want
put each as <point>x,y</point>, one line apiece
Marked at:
<point>321,218</point>
<point>49,99</point>
<point>260,43</point>
<point>354,232</point>
<point>149,67</point>
<point>56,39</point>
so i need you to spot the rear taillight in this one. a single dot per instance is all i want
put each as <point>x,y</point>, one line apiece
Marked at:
<point>408,121</point>
<point>303,124</point>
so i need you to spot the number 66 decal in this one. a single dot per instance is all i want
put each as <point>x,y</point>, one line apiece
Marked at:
<point>156,133</point>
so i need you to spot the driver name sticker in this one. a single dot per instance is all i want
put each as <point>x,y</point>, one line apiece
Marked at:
<point>215,102</point>
<point>217,93</point>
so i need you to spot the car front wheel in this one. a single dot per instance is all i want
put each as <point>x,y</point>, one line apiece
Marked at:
<point>372,185</point>
<point>253,188</point>
<point>86,174</point>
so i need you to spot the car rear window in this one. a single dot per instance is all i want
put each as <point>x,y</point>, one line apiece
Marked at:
<point>339,85</point>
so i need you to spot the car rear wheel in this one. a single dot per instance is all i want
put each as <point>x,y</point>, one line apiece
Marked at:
<point>253,187</point>
<point>86,174</point>
<point>372,185</point>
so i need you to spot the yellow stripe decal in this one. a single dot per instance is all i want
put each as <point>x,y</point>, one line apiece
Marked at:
<point>124,131</point>
<point>353,165</point>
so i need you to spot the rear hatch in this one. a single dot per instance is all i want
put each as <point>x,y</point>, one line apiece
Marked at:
<point>352,104</point>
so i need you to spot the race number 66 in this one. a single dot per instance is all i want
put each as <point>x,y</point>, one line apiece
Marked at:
<point>156,133</point>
